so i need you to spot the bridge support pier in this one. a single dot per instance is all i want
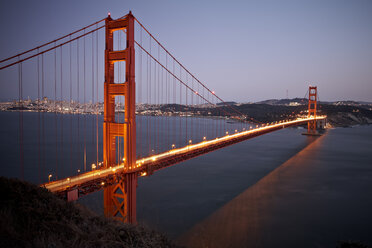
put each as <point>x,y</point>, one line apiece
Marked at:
<point>120,199</point>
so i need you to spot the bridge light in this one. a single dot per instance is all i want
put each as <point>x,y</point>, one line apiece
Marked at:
<point>78,171</point>
<point>49,177</point>
<point>68,179</point>
<point>250,127</point>
<point>113,170</point>
<point>190,141</point>
<point>153,159</point>
<point>173,146</point>
<point>109,14</point>
<point>103,183</point>
<point>143,173</point>
<point>196,92</point>
<point>236,130</point>
<point>204,138</point>
<point>244,129</point>
<point>94,166</point>
<point>213,92</point>
<point>227,133</point>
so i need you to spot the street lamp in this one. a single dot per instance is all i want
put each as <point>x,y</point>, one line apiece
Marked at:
<point>49,177</point>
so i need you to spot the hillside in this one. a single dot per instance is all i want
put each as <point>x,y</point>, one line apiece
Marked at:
<point>34,217</point>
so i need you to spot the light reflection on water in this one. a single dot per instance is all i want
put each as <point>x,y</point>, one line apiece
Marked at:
<point>317,197</point>
<point>241,222</point>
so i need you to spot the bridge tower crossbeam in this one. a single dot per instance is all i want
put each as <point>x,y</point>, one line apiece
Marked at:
<point>120,199</point>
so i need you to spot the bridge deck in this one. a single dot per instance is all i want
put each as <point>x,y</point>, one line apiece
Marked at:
<point>95,180</point>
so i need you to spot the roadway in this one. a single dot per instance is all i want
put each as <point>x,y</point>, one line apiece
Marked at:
<point>95,180</point>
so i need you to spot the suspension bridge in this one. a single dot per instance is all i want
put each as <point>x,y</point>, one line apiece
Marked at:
<point>156,113</point>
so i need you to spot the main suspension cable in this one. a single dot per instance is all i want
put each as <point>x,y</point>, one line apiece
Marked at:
<point>50,42</point>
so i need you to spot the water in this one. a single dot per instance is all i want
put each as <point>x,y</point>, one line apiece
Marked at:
<point>282,189</point>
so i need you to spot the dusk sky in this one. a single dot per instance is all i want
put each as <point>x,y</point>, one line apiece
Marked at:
<point>244,50</point>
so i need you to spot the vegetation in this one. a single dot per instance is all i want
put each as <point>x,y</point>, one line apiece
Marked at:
<point>33,217</point>
<point>351,244</point>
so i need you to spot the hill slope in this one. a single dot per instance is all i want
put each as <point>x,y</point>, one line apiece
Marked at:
<point>34,217</point>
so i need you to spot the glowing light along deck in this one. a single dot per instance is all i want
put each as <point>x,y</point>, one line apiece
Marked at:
<point>95,180</point>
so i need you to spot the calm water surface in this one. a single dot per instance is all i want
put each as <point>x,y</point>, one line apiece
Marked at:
<point>282,189</point>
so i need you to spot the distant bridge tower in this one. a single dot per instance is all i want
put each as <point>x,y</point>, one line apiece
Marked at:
<point>313,95</point>
<point>120,199</point>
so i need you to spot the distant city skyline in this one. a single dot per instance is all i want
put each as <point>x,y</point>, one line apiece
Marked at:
<point>246,51</point>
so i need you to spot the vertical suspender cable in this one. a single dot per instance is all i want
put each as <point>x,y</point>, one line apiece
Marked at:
<point>92,103</point>
<point>148,104</point>
<point>174,102</point>
<point>97,154</point>
<point>187,79</point>
<point>61,145</point>
<point>150,81</point>
<point>20,118</point>
<point>118,116</point>
<point>167,98</point>
<point>162,103</point>
<point>193,110</point>
<point>158,102</point>
<point>42,116</point>
<point>70,110</point>
<point>85,112</point>
<point>55,109</point>
<point>78,97</point>
<point>180,117</point>
<point>139,123</point>
<point>38,117</point>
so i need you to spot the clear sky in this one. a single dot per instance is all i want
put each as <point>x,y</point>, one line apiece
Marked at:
<point>244,50</point>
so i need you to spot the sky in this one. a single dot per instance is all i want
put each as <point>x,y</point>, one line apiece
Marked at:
<point>245,51</point>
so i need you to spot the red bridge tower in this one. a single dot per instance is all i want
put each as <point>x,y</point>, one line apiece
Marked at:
<point>311,125</point>
<point>120,199</point>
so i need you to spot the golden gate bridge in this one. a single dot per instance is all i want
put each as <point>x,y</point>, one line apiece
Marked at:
<point>141,78</point>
